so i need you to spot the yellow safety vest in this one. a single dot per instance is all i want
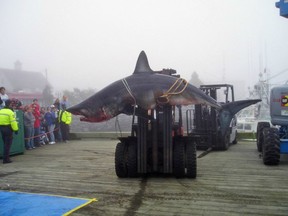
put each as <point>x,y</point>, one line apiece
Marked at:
<point>7,117</point>
<point>66,117</point>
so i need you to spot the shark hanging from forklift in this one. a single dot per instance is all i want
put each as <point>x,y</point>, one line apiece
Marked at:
<point>147,89</point>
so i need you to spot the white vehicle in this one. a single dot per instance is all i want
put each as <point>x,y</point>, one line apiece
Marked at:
<point>233,134</point>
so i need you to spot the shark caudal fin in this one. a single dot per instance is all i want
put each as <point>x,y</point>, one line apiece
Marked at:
<point>229,110</point>
<point>142,65</point>
<point>236,106</point>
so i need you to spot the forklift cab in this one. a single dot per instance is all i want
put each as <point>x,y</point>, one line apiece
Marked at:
<point>206,119</point>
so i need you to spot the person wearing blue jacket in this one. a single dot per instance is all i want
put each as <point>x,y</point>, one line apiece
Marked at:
<point>50,119</point>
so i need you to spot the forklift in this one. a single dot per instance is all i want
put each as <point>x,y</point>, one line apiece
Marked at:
<point>157,144</point>
<point>203,121</point>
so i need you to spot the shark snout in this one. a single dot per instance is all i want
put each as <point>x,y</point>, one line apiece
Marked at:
<point>89,115</point>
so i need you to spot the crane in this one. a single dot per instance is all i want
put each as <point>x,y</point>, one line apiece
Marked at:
<point>283,6</point>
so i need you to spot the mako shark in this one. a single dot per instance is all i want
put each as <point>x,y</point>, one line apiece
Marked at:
<point>146,89</point>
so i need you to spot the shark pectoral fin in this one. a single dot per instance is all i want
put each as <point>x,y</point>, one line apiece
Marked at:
<point>128,110</point>
<point>164,99</point>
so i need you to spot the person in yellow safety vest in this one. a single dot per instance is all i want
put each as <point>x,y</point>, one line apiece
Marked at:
<point>65,119</point>
<point>8,125</point>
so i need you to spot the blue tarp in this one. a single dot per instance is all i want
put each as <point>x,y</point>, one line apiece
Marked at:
<point>27,204</point>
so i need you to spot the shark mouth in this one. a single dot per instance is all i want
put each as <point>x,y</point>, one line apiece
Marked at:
<point>87,117</point>
<point>94,119</point>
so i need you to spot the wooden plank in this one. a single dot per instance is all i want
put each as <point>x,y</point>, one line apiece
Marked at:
<point>234,182</point>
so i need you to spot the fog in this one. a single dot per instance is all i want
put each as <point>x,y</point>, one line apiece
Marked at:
<point>91,43</point>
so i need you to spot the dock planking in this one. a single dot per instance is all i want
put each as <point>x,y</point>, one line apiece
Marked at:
<point>232,182</point>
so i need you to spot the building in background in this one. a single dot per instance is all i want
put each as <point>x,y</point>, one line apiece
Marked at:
<point>23,85</point>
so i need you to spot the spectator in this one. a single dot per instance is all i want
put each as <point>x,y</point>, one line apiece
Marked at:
<point>43,128</point>
<point>57,131</point>
<point>43,138</point>
<point>4,97</point>
<point>64,102</point>
<point>50,119</point>
<point>37,115</point>
<point>57,104</point>
<point>15,103</point>
<point>43,125</point>
<point>29,120</point>
<point>65,119</point>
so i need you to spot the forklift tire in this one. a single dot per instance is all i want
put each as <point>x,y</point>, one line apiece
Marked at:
<point>225,142</point>
<point>120,160</point>
<point>179,159</point>
<point>235,140</point>
<point>191,160</point>
<point>271,147</point>
<point>132,160</point>
<point>260,136</point>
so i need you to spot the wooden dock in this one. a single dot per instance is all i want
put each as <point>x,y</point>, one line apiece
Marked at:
<point>234,182</point>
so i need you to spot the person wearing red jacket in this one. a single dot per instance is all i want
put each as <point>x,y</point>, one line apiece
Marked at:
<point>37,123</point>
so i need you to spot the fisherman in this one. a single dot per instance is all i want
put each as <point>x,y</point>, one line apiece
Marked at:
<point>65,119</point>
<point>8,124</point>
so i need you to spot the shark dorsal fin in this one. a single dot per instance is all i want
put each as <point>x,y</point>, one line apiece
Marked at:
<point>142,65</point>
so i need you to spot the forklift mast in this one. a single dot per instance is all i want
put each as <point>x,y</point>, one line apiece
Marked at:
<point>211,90</point>
<point>205,124</point>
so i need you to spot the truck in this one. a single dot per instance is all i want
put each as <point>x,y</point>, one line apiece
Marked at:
<point>272,141</point>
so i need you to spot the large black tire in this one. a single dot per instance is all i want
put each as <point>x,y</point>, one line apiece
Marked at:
<point>132,160</point>
<point>271,147</point>
<point>120,160</point>
<point>179,159</point>
<point>260,135</point>
<point>191,160</point>
<point>235,140</point>
<point>224,142</point>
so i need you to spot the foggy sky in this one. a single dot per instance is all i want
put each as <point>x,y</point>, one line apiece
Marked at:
<point>91,43</point>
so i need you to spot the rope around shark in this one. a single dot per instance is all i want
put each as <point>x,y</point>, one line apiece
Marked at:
<point>173,90</point>
<point>176,89</point>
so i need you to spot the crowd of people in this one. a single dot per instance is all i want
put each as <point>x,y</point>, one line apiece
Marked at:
<point>46,125</point>
<point>42,125</point>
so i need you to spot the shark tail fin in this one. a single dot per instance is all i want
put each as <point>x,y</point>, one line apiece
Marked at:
<point>236,106</point>
<point>230,109</point>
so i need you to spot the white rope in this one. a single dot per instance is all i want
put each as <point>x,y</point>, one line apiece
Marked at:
<point>125,83</point>
<point>117,126</point>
